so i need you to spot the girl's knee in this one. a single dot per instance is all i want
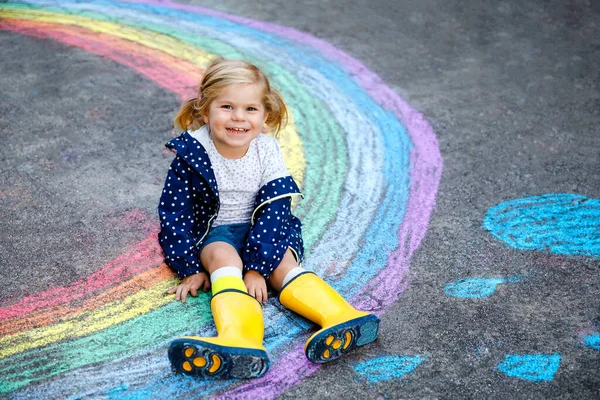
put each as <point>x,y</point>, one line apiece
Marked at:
<point>220,254</point>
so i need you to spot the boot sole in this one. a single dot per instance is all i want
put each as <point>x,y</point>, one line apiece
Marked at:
<point>208,360</point>
<point>335,341</point>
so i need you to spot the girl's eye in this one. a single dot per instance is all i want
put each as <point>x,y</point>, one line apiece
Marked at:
<point>252,109</point>
<point>226,106</point>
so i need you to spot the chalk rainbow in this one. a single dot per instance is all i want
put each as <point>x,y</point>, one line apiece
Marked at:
<point>369,166</point>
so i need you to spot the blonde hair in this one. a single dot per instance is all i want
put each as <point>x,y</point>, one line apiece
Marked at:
<point>220,74</point>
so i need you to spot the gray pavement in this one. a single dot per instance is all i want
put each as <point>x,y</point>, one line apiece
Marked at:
<point>512,90</point>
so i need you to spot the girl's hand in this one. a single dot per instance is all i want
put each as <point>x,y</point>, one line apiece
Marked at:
<point>256,285</point>
<point>191,284</point>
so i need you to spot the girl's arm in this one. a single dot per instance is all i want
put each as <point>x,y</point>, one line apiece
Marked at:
<point>274,228</point>
<point>178,234</point>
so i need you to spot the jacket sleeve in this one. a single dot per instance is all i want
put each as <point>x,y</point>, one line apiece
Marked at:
<point>274,228</point>
<point>176,211</point>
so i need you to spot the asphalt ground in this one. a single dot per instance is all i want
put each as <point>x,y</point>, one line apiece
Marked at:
<point>512,91</point>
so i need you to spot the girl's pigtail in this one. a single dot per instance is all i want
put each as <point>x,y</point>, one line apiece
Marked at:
<point>187,117</point>
<point>278,114</point>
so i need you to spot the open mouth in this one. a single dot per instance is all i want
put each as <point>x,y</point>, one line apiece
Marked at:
<point>237,130</point>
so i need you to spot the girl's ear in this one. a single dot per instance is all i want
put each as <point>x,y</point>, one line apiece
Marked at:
<point>205,115</point>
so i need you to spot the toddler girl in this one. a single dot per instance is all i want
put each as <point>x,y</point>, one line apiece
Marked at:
<point>225,212</point>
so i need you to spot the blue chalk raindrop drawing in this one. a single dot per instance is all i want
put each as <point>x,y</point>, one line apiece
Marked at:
<point>472,288</point>
<point>567,224</point>
<point>592,341</point>
<point>385,368</point>
<point>531,367</point>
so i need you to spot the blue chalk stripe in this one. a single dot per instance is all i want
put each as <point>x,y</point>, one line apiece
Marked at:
<point>531,367</point>
<point>471,288</point>
<point>593,341</point>
<point>390,367</point>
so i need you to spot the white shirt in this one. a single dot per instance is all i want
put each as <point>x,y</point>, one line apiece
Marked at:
<point>239,180</point>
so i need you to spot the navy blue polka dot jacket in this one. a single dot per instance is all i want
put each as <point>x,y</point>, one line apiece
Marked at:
<point>190,202</point>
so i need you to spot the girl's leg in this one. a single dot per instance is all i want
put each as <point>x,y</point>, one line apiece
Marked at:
<point>220,254</point>
<point>288,264</point>
<point>224,266</point>
<point>343,327</point>
<point>237,351</point>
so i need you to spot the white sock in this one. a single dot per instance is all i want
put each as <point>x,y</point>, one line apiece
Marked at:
<point>294,272</point>
<point>225,271</point>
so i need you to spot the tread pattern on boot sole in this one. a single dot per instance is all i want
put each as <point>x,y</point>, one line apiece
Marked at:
<point>335,341</point>
<point>208,360</point>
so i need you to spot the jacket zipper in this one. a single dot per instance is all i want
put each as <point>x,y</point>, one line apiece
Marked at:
<point>271,200</point>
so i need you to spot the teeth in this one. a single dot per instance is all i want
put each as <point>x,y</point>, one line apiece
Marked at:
<point>237,129</point>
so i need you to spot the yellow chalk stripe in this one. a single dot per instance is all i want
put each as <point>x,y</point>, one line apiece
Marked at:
<point>148,38</point>
<point>199,362</point>
<point>293,152</point>
<point>290,141</point>
<point>337,344</point>
<point>89,322</point>
<point>329,340</point>
<point>326,353</point>
<point>186,366</point>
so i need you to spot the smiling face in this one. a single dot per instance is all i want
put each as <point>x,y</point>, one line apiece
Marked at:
<point>236,117</point>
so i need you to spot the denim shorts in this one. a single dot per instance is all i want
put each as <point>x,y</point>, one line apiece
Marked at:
<point>234,234</point>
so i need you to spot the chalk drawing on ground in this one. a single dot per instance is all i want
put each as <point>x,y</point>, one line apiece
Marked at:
<point>592,341</point>
<point>376,146</point>
<point>383,369</point>
<point>531,367</point>
<point>567,224</point>
<point>473,288</point>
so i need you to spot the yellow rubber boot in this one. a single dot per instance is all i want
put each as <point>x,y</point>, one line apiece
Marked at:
<point>236,352</point>
<point>343,327</point>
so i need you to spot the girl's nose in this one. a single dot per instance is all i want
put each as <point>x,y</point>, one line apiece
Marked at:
<point>238,114</point>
